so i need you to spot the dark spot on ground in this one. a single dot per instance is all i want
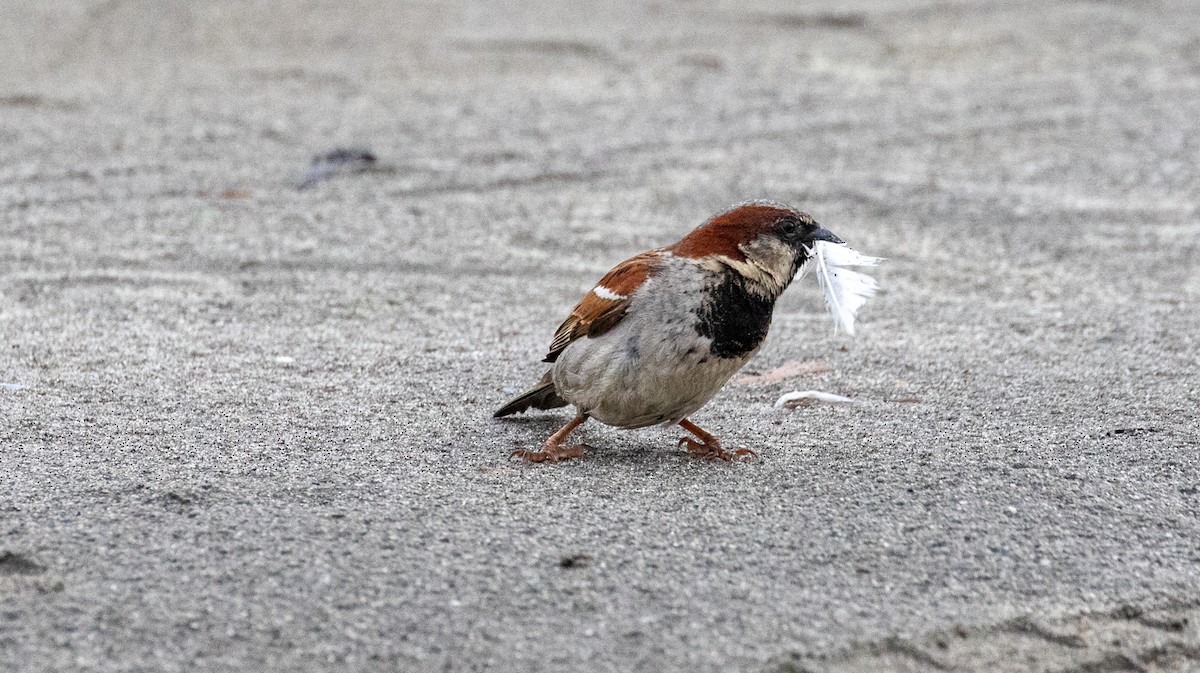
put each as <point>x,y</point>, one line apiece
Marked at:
<point>575,561</point>
<point>830,20</point>
<point>335,162</point>
<point>1132,432</point>
<point>1127,612</point>
<point>13,563</point>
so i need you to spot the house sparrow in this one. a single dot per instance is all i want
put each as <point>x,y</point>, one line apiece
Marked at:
<point>660,334</point>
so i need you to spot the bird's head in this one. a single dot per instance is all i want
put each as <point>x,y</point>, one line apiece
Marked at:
<point>766,242</point>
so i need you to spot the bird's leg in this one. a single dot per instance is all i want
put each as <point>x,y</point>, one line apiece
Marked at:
<point>709,446</point>
<point>553,450</point>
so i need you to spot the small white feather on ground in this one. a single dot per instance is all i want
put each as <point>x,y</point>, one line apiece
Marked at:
<point>814,395</point>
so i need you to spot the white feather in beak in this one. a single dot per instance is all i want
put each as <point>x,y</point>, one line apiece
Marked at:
<point>845,291</point>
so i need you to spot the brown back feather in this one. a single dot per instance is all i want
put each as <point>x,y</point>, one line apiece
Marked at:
<point>596,313</point>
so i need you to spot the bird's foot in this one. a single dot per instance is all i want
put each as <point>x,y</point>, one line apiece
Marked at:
<point>551,453</point>
<point>713,451</point>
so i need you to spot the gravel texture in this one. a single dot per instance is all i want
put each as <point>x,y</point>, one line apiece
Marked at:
<point>249,425</point>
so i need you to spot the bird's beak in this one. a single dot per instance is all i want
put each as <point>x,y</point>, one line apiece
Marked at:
<point>822,234</point>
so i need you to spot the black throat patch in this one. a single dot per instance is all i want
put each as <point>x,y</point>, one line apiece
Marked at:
<point>735,318</point>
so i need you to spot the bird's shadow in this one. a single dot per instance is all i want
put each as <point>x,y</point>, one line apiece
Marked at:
<point>653,448</point>
<point>545,422</point>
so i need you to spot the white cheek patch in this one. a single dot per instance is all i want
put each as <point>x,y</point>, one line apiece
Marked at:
<point>605,293</point>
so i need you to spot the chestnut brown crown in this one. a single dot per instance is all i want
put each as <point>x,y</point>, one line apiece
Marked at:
<point>727,233</point>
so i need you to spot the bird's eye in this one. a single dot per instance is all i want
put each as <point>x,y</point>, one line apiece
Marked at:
<point>789,228</point>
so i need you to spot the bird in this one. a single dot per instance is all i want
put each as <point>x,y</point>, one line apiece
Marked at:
<point>664,330</point>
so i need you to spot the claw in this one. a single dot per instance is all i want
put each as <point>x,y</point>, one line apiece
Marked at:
<point>745,455</point>
<point>550,454</point>
<point>713,451</point>
<point>553,450</point>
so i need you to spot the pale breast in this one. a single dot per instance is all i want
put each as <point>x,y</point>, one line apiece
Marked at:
<point>664,360</point>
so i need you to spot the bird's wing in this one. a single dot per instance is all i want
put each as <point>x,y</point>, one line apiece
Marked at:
<point>604,306</point>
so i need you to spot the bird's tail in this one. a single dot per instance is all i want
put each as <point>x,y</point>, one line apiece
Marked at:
<point>543,396</point>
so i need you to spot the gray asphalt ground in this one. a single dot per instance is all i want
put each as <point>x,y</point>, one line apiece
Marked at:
<point>255,431</point>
